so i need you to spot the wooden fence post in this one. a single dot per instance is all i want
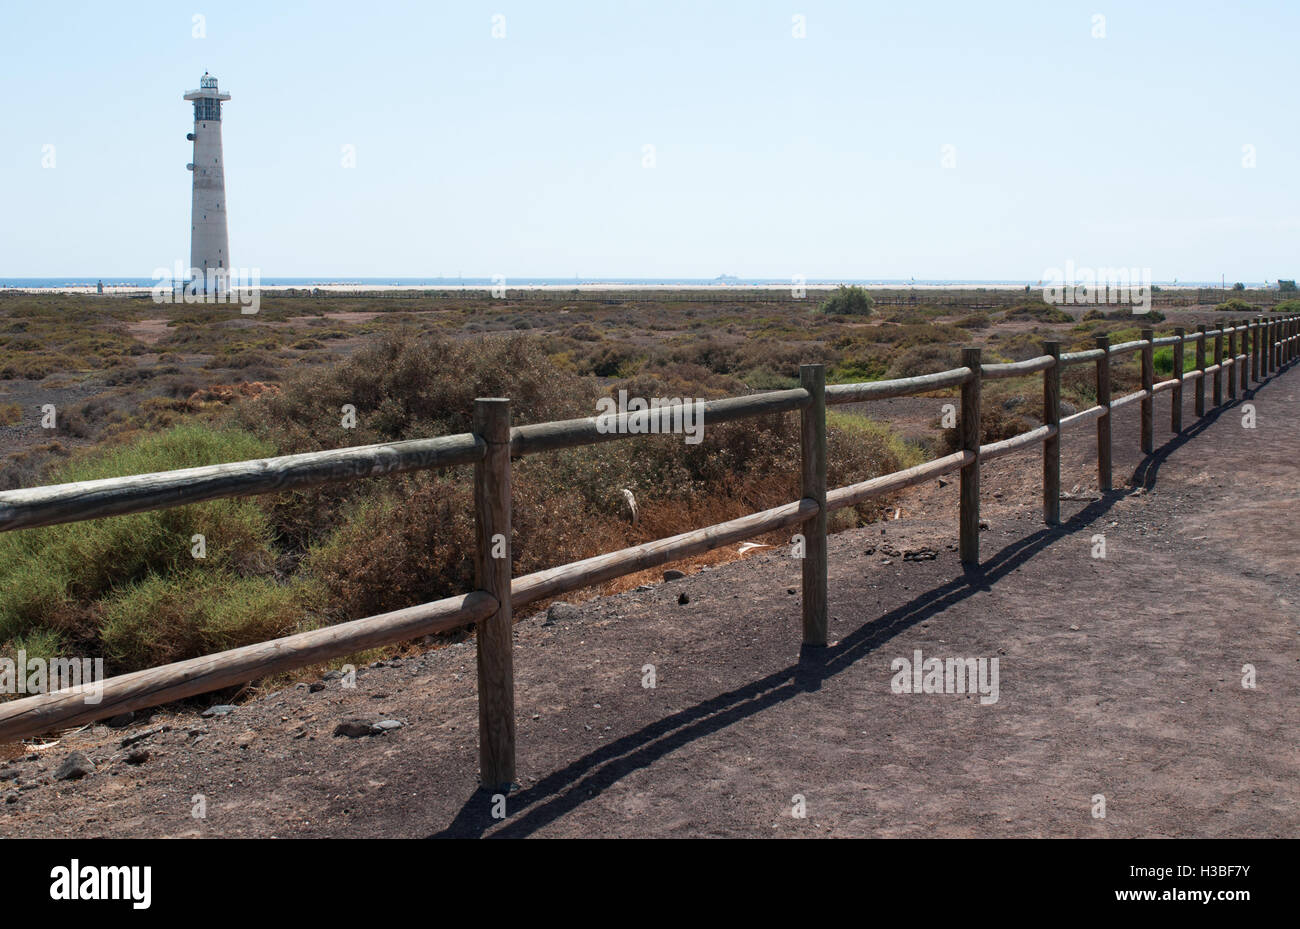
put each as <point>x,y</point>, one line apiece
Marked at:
<point>1270,333</point>
<point>812,442</point>
<point>1254,348</point>
<point>1264,349</point>
<point>1218,371</point>
<point>1052,445</point>
<point>969,516</point>
<point>1242,368</point>
<point>1103,421</point>
<point>496,676</point>
<point>1232,372</point>
<point>1176,410</point>
<point>1148,396</point>
<point>1200,364</point>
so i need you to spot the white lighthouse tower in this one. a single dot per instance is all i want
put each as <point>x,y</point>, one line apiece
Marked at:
<point>209,241</point>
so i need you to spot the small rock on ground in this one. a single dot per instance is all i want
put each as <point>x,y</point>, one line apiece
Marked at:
<point>354,728</point>
<point>560,613</point>
<point>74,767</point>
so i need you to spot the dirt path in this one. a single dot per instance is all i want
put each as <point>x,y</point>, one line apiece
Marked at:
<point>1118,677</point>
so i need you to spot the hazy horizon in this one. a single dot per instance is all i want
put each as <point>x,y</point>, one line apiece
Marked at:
<point>523,281</point>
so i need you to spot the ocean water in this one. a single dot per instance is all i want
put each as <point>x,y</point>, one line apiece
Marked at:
<point>477,282</point>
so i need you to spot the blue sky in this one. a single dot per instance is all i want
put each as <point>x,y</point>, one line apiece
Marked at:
<point>773,156</point>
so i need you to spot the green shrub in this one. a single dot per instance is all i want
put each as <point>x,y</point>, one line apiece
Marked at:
<point>974,321</point>
<point>1038,311</point>
<point>996,423</point>
<point>857,370</point>
<point>1163,360</point>
<point>852,301</point>
<point>195,612</point>
<point>43,572</point>
<point>924,359</point>
<point>764,378</point>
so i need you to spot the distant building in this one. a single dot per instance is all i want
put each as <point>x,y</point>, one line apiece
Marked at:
<point>209,240</point>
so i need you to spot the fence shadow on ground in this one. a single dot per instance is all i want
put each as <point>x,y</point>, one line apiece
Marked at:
<point>568,788</point>
<point>1144,475</point>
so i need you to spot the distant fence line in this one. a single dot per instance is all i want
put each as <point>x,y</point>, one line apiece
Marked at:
<point>1255,350</point>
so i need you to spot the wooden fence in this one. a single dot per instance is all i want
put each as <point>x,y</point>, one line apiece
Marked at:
<point>1254,350</point>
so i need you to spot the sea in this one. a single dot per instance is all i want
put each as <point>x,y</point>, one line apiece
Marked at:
<point>385,283</point>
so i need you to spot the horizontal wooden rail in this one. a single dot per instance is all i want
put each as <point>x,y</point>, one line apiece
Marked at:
<point>139,690</point>
<point>114,496</point>
<point>1127,399</point>
<point>1018,368</point>
<point>555,581</point>
<point>1126,347</point>
<point>1083,416</point>
<point>995,450</point>
<point>900,387</point>
<point>888,483</point>
<point>1073,358</point>
<point>569,433</point>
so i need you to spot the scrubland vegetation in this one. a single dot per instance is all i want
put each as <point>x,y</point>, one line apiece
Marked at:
<point>139,387</point>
